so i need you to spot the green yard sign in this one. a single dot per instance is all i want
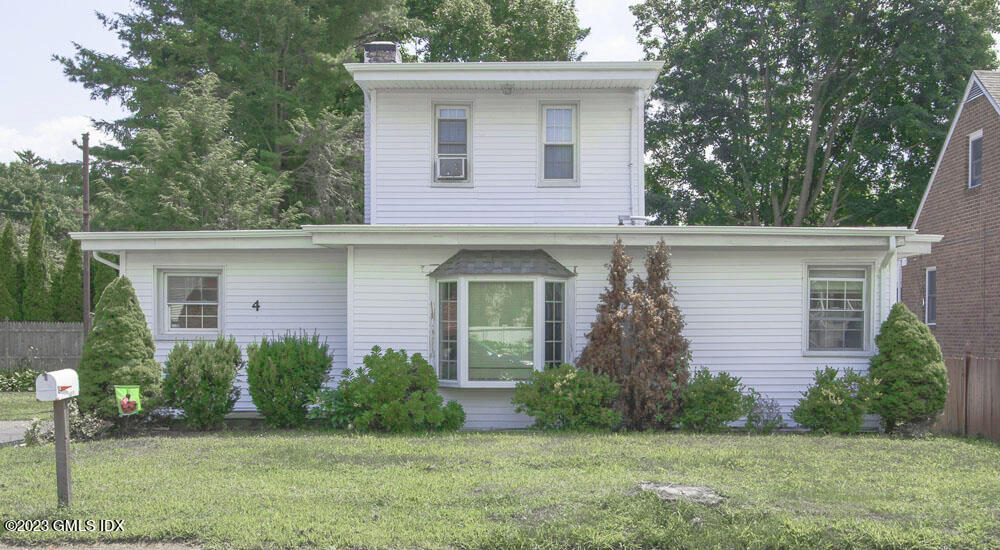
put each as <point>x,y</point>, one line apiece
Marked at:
<point>129,400</point>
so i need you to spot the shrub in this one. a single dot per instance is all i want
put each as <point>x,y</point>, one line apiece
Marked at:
<point>18,379</point>
<point>67,288</point>
<point>200,380</point>
<point>82,427</point>
<point>37,302</point>
<point>390,393</point>
<point>118,350</point>
<point>636,340</point>
<point>765,414</point>
<point>912,378</point>
<point>566,397</point>
<point>709,403</point>
<point>284,374</point>
<point>834,405</point>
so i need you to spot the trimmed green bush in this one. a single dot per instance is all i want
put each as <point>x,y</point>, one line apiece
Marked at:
<point>68,288</point>
<point>909,373</point>
<point>835,405</point>
<point>709,403</point>
<point>392,392</point>
<point>566,397</point>
<point>284,374</point>
<point>200,380</point>
<point>118,351</point>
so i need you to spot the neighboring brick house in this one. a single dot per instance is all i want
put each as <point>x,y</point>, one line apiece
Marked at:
<point>956,288</point>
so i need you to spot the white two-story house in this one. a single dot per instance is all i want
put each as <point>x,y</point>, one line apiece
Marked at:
<point>493,194</point>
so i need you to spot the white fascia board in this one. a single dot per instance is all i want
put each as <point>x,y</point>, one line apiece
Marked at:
<point>193,240</point>
<point>688,236</point>
<point>947,140</point>
<point>370,75</point>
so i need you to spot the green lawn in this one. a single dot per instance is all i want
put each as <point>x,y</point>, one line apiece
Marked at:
<point>22,406</point>
<point>517,490</point>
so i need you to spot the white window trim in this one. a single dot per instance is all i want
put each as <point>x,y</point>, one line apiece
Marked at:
<point>869,300</point>
<point>978,134</point>
<point>927,295</point>
<point>575,181</point>
<point>162,328</point>
<point>436,106</point>
<point>463,326</point>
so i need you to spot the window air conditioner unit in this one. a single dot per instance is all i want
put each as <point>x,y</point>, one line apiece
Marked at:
<point>451,168</point>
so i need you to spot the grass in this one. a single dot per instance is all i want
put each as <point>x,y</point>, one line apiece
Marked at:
<point>22,406</point>
<point>516,490</point>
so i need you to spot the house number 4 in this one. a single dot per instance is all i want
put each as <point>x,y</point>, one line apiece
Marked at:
<point>256,306</point>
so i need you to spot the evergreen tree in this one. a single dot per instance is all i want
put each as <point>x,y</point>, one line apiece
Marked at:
<point>912,381</point>
<point>637,341</point>
<point>69,292</point>
<point>100,276</point>
<point>119,350</point>
<point>10,259</point>
<point>37,304</point>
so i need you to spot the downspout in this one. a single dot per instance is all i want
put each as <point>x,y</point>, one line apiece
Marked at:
<point>633,216</point>
<point>889,254</point>
<point>97,256</point>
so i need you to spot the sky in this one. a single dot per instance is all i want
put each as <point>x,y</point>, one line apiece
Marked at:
<point>41,110</point>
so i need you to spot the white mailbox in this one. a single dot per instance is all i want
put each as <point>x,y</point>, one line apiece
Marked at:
<point>57,385</point>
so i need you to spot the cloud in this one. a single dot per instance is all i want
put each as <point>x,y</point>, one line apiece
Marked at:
<point>51,139</point>
<point>612,30</point>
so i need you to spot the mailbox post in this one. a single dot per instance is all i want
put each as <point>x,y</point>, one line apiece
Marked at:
<point>59,386</point>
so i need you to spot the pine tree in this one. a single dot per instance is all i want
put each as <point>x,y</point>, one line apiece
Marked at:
<point>9,260</point>
<point>100,276</point>
<point>69,292</point>
<point>637,341</point>
<point>37,304</point>
<point>912,380</point>
<point>119,350</point>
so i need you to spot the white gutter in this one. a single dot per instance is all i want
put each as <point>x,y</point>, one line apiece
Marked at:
<point>97,256</point>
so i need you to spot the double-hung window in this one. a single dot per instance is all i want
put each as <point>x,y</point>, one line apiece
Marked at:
<point>838,309</point>
<point>189,302</point>
<point>559,147</point>
<point>930,298</point>
<point>976,159</point>
<point>451,155</point>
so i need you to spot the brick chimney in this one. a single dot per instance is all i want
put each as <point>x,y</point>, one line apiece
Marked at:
<point>382,52</point>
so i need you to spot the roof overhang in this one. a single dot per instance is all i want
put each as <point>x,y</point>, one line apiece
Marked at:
<point>907,241</point>
<point>507,77</point>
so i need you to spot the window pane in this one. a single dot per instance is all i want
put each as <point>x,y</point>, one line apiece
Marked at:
<point>558,162</point>
<point>931,313</point>
<point>452,137</point>
<point>501,330</point>
<point>192,301</point>
<point>976,162</point>
<point>836,309</point>
<point>554,328</point>
<point>451,112</point>
<point>448,329</point>
<point>559,125</point>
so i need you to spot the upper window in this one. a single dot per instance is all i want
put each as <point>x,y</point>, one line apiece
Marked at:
<point>930,299</point>
<point>190,302</point>
<point>451,129</point>
<point>838,315</point>
<point>559,143</point>
<point>495,332</point>
<point>976,159</point>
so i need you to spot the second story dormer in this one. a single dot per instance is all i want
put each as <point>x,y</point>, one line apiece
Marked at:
<point>533,143</point>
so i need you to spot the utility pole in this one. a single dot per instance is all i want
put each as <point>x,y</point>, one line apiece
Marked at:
<point>86,227</point>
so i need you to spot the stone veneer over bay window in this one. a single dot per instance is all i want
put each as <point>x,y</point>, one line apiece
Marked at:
<point>498,316</point>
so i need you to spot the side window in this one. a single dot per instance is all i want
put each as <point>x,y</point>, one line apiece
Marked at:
<point>190,302</point>
<point>976,159</point>
<point>838,315</point>
<point>930,298</point>
<point>451,149</point>
<point>559,147</point>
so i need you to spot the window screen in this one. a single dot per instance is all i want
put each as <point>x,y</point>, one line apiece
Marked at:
<point>976,161</point>
<point>930,313</point>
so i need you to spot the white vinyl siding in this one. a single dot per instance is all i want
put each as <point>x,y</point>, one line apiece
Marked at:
<point>504,139</point>
<point>976,159</point>
<point>298,290</point>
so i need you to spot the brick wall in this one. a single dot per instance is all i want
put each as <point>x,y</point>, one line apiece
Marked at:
<point>968,258</point>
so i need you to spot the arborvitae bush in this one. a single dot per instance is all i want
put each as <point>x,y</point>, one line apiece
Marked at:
<point>284,374</point>
<point>118,351</point>
<point>566,397</point>
<point>709,403</point>
<point>37,302</point>
<point>392,392</point>
<point>68,289</point>
<point>200,380</point>
<point>835,405</point>
<point>911,378</point>
<point>9,259</point>
<point>636,340</point>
